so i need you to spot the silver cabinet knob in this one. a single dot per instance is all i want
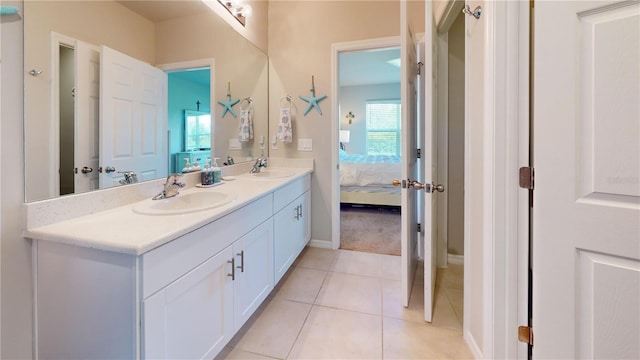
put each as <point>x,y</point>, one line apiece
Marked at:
<point>86,170</point>
<point>438,188</point>
<point>109,169</point>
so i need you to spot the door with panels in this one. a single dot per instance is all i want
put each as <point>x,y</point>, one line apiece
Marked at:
<point>586,205</point>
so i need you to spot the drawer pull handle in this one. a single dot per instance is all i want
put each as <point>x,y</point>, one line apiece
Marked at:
<point>233,268</point>
<point>241,254</point>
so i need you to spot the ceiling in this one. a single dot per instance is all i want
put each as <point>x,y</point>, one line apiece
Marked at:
<point>159,10</point>
<point>368,67</point>
<point>198,76</point>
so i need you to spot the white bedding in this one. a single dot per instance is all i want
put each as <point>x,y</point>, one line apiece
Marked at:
<point>365,170</point>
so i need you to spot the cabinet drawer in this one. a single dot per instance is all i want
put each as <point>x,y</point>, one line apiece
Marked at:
<point>163,265</point>
<point>290,192</point>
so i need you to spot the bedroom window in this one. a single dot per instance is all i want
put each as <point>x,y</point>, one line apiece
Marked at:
<point>383,127</point>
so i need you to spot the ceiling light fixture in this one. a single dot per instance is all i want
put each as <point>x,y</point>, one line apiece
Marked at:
<point>239,10</point>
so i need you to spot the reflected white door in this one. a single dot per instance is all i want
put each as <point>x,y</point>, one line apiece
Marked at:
<point>87,117</point>
<point>133,125</point>
<point>430,162</point>
<point>586,208</point>
<point>408,232</point>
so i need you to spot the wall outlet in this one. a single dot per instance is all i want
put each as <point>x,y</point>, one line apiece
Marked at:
<point>234,144</point>
<point>305,145</point>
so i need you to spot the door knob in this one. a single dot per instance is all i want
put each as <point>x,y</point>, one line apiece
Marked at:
<point>109,169</point>
<point>396,182</point>
<point>86,170</point>
<point>438,188</point>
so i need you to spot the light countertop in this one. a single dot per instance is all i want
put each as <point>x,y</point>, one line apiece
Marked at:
<point>125,231</point>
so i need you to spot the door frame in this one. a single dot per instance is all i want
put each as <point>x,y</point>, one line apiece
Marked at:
<point>505,236</point>
<point>336,49</point>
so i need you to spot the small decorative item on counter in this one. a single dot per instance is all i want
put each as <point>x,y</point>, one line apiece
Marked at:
<point>216,172</point>
<point>196,166</point>
<point>187,166</point>
<point>206,175</point>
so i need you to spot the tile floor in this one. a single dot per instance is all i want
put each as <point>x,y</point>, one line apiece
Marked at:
<point>340,304</point>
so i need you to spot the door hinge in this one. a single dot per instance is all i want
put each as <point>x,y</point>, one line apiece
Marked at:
<point>420,64</point>
<point>525,335</point>
<point>419,227</point>
<point>419,153</point>
<point>526,177</point>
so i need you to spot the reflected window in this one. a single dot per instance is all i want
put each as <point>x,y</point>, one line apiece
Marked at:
<point>197,130</point>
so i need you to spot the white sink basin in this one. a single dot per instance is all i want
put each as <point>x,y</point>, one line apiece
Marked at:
<point>184,203</point>
<point>272,174</point>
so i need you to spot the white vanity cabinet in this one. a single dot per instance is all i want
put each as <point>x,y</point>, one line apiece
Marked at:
<point>292,223</point>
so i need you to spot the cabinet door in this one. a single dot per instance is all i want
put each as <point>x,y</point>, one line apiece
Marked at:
<point>284,244</point>
<point>192,318</point>
<point>303,225</point>
<point>254,271</point>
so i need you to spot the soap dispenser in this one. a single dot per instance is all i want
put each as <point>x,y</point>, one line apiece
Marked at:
<point>195,166</point>
<point>187,166</point>
<point>216,171</point>
<point>206,175</point>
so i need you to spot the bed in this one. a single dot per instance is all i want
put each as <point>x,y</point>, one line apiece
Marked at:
<point>367,179</point>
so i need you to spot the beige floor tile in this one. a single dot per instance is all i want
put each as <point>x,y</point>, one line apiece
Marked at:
<point>316,258</point>
<point>275,330</point>
<point>391,267</point>
<point>338,334</point>
<point>230,353</point>
<point>410,340</point>
<point>451,277</point>
<point>457,301</point>
<point>357,263</point>
<point>392,302</point>
<point>351,292</point>
<point>301,285</point>
<point>443,313</point>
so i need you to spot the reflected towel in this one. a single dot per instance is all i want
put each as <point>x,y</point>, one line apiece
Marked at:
<point>246,126</point>
<point>285,131</point>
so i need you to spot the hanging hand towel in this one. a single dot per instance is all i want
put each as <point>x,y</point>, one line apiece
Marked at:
<point>285,131</point>
<point>246,126</point>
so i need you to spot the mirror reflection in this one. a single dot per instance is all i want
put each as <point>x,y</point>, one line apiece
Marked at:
<point>109,86</point>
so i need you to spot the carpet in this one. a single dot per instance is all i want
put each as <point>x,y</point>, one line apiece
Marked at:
<point>370,229</point>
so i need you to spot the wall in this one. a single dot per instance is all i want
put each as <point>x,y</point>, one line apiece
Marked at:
<point>255,26</point>
<point>455,208</point>
<point>15,271</point>
<point>300,38</point>
<point>86,21</point>
<point>354,99</point>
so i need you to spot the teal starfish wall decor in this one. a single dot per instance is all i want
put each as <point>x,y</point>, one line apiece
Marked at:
<point>228,104</point>
<point>312,99</point>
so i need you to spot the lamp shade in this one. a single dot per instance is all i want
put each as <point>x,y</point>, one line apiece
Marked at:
<point>345,135</point>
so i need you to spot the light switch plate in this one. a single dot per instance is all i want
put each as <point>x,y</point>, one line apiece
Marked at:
<point>305,145</point>
<point>234,144</point>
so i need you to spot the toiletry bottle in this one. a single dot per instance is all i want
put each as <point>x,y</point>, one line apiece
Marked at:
<point>206,175</point>
<point>195,166</point>
<point>217,172</point>
<point>187,166</point>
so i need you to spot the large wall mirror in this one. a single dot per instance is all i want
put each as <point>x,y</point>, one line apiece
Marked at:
<point>108,84</point>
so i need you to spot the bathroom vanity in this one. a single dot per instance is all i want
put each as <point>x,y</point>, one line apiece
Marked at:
<point>122,284</point>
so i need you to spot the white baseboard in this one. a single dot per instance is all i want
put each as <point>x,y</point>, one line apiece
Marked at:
<point>324,244</point>
<point>473,346</point>
<point>455,259</point>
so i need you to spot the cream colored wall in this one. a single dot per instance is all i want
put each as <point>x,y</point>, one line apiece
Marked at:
<point>15,270</point>
<point>237,61</point>
<point>85,21</point>
<point>455,208</point>
<point>300,38</point>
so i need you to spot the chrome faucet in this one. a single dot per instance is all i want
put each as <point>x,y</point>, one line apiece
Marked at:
<point>261,162</point>
<point>171,187</point>
<point>130,177</point>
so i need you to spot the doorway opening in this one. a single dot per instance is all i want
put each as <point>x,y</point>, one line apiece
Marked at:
<point>369,149</point>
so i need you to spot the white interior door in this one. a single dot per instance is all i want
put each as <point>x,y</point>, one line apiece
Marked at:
<point>408,232</point>
<point>87,117</point>
<point>430,162</point>
<point>586,209</point>
<point>133,123</point>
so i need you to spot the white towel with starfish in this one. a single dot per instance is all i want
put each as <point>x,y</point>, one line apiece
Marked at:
<point>285,130</point>
<point>246,126</point>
